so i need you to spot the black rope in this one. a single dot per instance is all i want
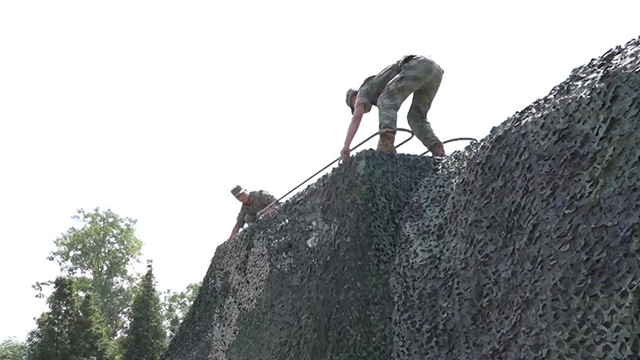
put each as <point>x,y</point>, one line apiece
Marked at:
<point>333,162</point>
<point>355,147</point>
<point>452,140</point>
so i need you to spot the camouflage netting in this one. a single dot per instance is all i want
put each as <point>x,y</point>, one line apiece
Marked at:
<point>524,246</point>
<point>313,280</point>
<point>528,245</point>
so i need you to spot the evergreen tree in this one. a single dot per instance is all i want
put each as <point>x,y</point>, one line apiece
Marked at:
<point>93,332</point>
<point>99,253</point>
<point>146,338</point>
<point>54,338</point>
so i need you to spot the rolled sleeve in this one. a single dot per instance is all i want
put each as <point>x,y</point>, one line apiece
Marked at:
<point>365,93</point>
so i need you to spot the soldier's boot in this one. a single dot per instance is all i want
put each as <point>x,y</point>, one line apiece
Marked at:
<point>437,149</point>
<point>385,142</point>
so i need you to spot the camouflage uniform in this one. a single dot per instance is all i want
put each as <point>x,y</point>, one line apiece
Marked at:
<point>391,87</point>
<point>248,213</point>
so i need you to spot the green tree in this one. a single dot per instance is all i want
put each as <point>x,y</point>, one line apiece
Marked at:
<point>99,254</point>
<point>93,332</point>
<point>70,330</point>
<point>176,306</point>
<point>146,338</point>
<point>54,338</point>
<point>12,349</point>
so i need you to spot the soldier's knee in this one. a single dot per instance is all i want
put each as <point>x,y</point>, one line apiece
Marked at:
<point>413,120</point>
<point>417,114</point>
<point>386,102</point>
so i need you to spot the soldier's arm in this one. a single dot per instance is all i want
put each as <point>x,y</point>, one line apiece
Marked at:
<point>235,231</point>
<point>239,224</point>
<point>353,128</point>
<point>269,200</point>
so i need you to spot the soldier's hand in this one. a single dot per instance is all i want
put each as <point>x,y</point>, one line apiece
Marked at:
<point>344,154</point>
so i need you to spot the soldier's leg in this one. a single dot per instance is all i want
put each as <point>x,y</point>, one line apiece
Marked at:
<point>410,79</point>
<point>420,106</point>
<point>396,92</point>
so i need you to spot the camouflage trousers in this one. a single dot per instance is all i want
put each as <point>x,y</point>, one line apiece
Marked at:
<point>420,76</point>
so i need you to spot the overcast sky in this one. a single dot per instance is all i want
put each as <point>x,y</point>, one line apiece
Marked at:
<point>155,109</point>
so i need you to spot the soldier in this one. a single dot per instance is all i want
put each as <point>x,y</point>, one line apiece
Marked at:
<point>252,203</point>
<point>388,90</point>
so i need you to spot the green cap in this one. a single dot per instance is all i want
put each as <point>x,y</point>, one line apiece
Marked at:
<point>350,93</point>
<point>237,190</point>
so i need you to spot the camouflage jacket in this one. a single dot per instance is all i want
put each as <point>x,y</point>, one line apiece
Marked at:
<point>259,200</point>
<point>374,85</point>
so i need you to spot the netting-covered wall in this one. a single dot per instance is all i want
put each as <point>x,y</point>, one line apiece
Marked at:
<point>528,246</point>
<point>313,280</point>
<point>524,246</point>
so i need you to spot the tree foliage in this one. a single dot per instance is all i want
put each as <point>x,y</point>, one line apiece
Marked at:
<point>54,338</point>
<point>99,254</point>
<point>12,349</point>
<point>71,329</point>
<point>176,306</point>
<point>93,331</point>
<point>96,258</point>
<point>146,338</point>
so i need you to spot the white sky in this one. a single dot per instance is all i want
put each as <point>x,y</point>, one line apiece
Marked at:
<point>155,109</point>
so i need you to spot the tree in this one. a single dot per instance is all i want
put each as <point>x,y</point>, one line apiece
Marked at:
<point>146,338</point>
<point>70,330</point>
<point>54,338</point>
<point>99,255</point>
<point>176,306</point>
<point>12,349</point>
<point>91,328</point>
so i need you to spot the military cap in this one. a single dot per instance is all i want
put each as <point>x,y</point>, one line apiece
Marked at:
<point>237,190</point>
<point>350,93</point>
